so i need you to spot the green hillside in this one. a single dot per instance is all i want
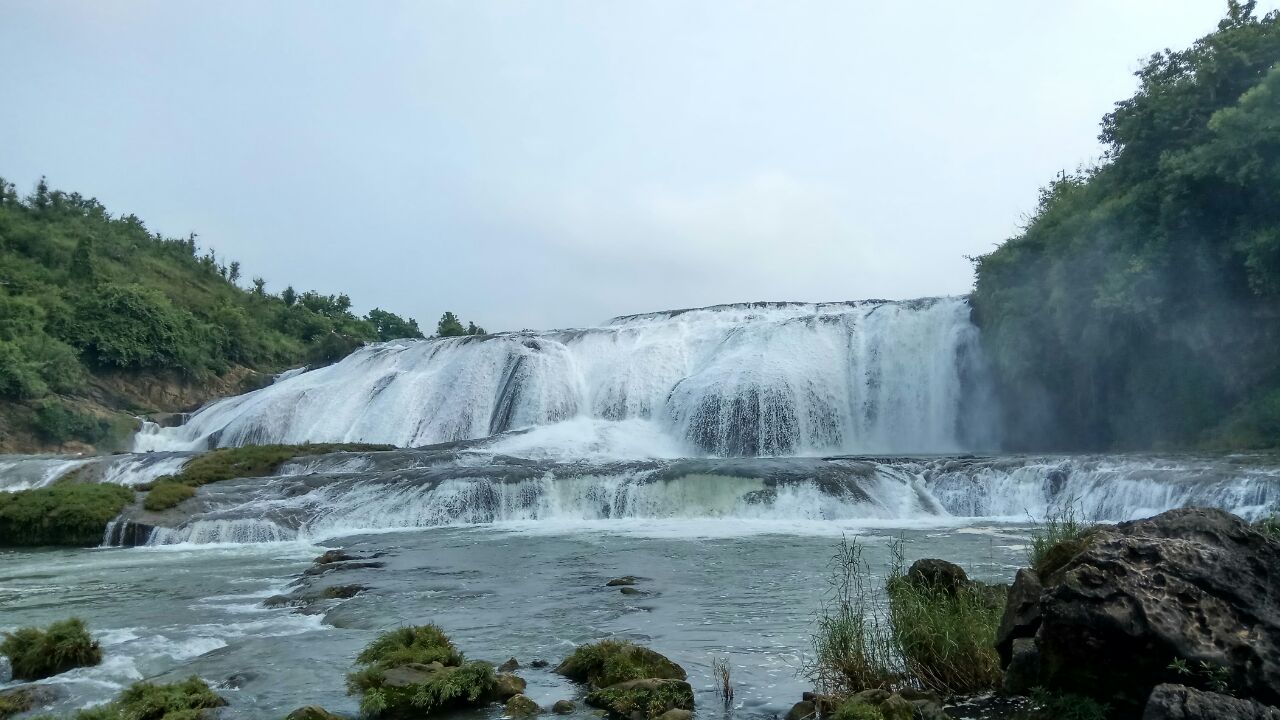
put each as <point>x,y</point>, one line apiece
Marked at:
<point>96,310</point>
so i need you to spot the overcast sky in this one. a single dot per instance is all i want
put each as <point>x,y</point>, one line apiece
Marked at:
<point>546,164</point>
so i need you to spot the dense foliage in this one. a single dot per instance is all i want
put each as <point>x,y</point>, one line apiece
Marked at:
<point>34,653</point>
<point>73,514</point>
<point>83,292</point>
<point>1139,306</point>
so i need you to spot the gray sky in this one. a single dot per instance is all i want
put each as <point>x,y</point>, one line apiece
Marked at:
<point>545,164</point>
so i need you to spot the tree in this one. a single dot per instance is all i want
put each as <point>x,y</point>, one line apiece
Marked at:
<point>450,326</point>
<point>390,326</point>
<point>82,269</point>
<point>259,286</point>
<point>473,329</point>
<point>234,272</point>
<point>289,296</point>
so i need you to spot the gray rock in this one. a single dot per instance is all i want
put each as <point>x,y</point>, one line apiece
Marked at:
<point>1023,672</point>
<point>938,575</point>
<point>1195,584</point>
<point>624,580</point>
<point>631,591</point>
<point>1178,702</point>
<point>676,714</point>
<point>312,712</point>
<point>563,707</point>
<point>521,706</point>
<point>802,710</point>
<point>539,663</point>
<point>508,686</point>
<point>1021,613</point>
<point>509,666</point>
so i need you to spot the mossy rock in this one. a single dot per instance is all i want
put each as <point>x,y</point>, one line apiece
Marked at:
<point>610,662</point>
<point>312,712</point>
<point>166,494</point>
<point>507,686</point>
<point>28,697</point>
<point>857,710</point>
<point>62,514</point>
<point>34,654</point>
<point>649,697</point>
<point>522,706</point>
<point>190,699</point>
<point>416,671</point>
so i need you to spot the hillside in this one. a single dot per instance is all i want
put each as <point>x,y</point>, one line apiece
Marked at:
<point>1139,308</point>
<point>102,319</point>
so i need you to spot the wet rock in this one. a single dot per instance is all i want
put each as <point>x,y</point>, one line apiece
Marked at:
<point>279,601</point>
<point>1197,585</point>
<point>1021,613</point>
<point>509,666</point>
<point>937,575</point>
<point>676,714</point>
<point>624,580</point>
<point>521,706</point>
<point>563,707</point>
<point>928,710</point>
<point>238,680</point>
<point>312,712</point>
<point>333,556</point>
<point>1023,671</point>
<point>539,663</point>
<point>609,662</point>
<point>342,592</point>
<point>871,697</point>
<point>802,710</point>
<point>412,674</point>
<point>650,697</point>
<point>342,566</point>
<point>631,591</point>
<point>1178,702</point>
<point>895,707</point>
<point>508,686</point>
<point>29,697</point>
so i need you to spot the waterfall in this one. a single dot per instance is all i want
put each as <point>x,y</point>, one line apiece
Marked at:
<point>764,379</point>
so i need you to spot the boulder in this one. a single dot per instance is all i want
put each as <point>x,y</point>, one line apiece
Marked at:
<point>610,662</point>
<point>28,697</point>
<point>631,591</point>
<point>563,707</point>
<point>937,575</point>
<point>509,666</point>
<point>522,706</point>
<point>1197,585</point>
<point>333,556</point>
<point>895,707</point>
<point>312,712</point>
<point>1178,702</point>
<point>1023,670</point>
<point>624,580</point>
<point>676,714</point>
<point>928,710</point>
<point>802,710</point>
<point>539,663</point>
<point>508,686</point>
<point>649,698</point>
<point>1021,613</point>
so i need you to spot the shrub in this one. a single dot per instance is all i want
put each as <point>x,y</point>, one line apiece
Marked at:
<point>61,514</point>
<point>945,636</point>
<point>853,644</point>
<point>55,422</point>
<point>36,654</point>
<point>1269,526</point>
<point>610,662</point>
<point>166,494</point>
<point>427,687</point>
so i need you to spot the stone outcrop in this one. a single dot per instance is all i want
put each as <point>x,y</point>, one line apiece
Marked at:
<point>1178,702</point>
<point>1195,585</point>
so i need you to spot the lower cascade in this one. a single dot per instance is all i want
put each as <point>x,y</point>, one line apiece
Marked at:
<point>345,494</point>
<point>762,379</point>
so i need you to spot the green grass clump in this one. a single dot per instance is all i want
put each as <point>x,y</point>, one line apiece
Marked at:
<point>853,643</point>
<point>35,654</point>
<point>1063,535</point>
<point>185,700</point>
<point>1269,526</point>
<point>609,662</point>
<point>857,710</point>
<point>452,683</point>
<point>61,514</point>
<point>166,494</point>
<point>945,639</point>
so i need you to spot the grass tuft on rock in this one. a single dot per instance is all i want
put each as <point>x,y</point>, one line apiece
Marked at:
<point>610,662</point>
<point>61,514</point>
<point>648,697</point>
<point>185,700</point>
<point>64,645</point>
<point>857,710</point>
<point>255,460</point>
<point>1269,526</point>
<point>1063,535</point>
<point>415,671</point>
<point>166,494</point>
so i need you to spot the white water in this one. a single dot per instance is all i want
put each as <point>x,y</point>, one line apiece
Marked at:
<point>770,380</point>
<point>23,472</point>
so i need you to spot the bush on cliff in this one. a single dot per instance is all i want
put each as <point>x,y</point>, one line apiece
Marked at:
<point>64,514</point>
<point>416,671</point>
<point>34,654</point>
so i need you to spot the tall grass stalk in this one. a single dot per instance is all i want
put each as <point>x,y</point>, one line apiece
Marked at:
<point>853,644</point>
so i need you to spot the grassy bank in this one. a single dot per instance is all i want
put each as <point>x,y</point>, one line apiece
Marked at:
<point>65,514</point>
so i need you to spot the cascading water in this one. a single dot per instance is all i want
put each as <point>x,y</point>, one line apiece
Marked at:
<point>740,380</point>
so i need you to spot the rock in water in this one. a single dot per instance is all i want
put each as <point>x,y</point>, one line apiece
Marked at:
<point>563,707</point>
<point>508,686</point>
<point>938,575</point>
<point>1177,702</point>
<point>1021,613</point>
<point>312,712</point>
<point>522,706</point>
<point>802,710</point>
<point>511,665</point>
<point>624,580</point>
<point>649,698</point>
<point>1195,584</point>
